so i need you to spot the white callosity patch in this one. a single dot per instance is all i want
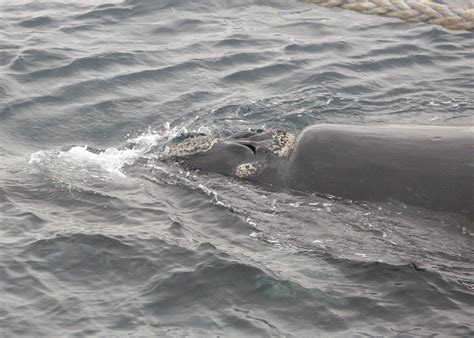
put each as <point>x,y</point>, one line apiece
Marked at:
<point>247,169</point>
<point>193,146</point>
<point>282,143</point>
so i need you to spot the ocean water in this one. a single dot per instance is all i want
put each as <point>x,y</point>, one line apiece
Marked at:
<point>100,236</point>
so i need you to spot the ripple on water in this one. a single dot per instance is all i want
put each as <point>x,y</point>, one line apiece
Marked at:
<point>37,22</point>
<point>109,240</point>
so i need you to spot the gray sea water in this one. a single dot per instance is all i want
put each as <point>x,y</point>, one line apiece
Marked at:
<point>98,236</point>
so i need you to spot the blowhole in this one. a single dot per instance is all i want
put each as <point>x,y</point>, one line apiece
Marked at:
<point>251,147</point>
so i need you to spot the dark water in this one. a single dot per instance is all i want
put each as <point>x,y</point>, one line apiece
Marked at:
<point>117,242</point>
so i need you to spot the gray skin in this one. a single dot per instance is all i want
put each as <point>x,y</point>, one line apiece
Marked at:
<point>427,166</point>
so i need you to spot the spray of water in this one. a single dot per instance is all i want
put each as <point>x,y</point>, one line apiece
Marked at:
<point>109,163</point>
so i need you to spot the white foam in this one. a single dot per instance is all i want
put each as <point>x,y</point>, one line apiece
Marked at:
<point>109,161</point>
<point>38,157</point>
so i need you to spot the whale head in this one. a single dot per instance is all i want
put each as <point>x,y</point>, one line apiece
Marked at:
<point>246,154</point>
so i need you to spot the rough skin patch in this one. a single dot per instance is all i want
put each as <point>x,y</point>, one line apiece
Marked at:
<point>193,146</point>
<point>247,169</point>
<point>282,143</point>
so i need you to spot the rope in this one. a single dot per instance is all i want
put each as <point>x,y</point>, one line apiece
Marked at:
<point>413,11</point>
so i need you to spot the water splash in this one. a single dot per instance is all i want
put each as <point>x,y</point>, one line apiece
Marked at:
<point>110,163</point>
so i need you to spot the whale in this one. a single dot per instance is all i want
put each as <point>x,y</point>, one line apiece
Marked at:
<point>427,166</point>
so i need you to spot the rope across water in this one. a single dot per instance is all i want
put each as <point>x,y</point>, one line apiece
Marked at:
<point>448,15</point>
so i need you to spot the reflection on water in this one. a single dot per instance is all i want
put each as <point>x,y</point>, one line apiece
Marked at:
<point>99,235</point>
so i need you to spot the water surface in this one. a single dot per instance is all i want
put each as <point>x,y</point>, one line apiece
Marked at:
<point>99,236</point>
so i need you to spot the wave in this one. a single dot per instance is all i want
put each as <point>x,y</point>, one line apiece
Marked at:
<point>101,235</point>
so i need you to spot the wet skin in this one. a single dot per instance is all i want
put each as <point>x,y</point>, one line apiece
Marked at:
<point>428,166</point>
